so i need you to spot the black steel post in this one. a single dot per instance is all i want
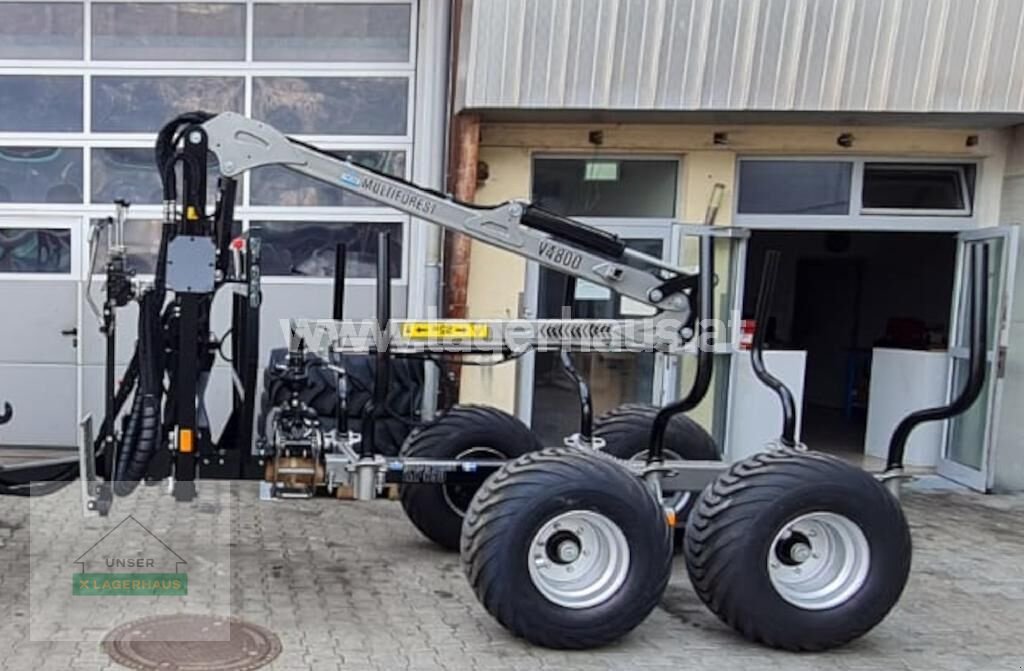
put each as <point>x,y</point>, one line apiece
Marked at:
<point>569,366</point>
<point>764,304</point>
<point>704,337</point>
<point>192,328</point>
<point>340,258</point>
<point>383,361</point>
<point>338,314</point>
<point>977,339</point>
<point>109,374</point>
<point>185,397</point>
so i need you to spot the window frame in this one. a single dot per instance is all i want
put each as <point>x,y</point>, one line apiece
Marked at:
<point>56,223</point>
<point>54,60</point>
<point>88,46</point>
<point>860,218</point>
<point>323,215</point>
<point>907,166</point>
<point>250,33</point>
<point>77,216</point>
<point>677,198</point>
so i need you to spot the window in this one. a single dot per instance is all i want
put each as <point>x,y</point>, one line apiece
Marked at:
<point>144,104</point>
<point>130,174</point>
<point>187,31</point>
<point>916,188</point>
<point>40,175</point>
<point>282,187</point>
<point>331,32</point>
<point>307,248</point>
<point>795,187</point>
<point>852,192</point>
<point>142,240</point>
<point>35,250</point>
<point>333,105</point>
<point>41,30</point>
<point>603,187</point>
<point>40,103</point>
<point>86,86</point>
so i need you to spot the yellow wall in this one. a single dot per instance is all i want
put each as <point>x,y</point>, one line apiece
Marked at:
<point>496,278</point>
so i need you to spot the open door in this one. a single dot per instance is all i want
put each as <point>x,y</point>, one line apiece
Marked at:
<point>966,455</point>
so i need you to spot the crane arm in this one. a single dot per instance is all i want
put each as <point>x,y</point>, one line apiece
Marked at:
<point>557,242</point>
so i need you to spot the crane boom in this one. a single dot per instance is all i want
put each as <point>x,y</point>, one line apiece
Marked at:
<point>563,244</point>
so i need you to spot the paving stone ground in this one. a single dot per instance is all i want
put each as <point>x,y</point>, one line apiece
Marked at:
<point>353,586</point>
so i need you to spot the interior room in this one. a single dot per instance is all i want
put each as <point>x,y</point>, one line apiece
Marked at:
<point>848,298</point>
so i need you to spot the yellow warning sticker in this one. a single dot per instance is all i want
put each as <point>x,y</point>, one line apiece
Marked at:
<point>444,330</point>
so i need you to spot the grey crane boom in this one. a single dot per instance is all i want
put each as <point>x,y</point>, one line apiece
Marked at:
<point>565,245</point>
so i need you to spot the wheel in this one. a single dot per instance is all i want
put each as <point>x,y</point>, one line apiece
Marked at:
<point>464,432</point>
<point>405,393</point>
<point>799,551</point>
<point>626,431</point>
<point>566,548</point>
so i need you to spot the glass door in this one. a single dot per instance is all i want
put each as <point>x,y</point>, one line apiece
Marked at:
<point>548,399</point>
<point>968,440</point>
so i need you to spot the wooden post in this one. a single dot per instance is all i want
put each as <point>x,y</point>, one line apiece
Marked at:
<point>465,155</point>
<point>462,177</point>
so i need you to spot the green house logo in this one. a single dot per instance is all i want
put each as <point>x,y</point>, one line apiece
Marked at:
<point>130,560</point>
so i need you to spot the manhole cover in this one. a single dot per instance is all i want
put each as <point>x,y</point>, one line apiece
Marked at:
<point>134,644</point>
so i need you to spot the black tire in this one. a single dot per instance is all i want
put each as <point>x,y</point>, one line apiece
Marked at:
<point>520,501</point>
<point>730,538</point>
<point>402,411</point>
<point>464,432</point>
<point>626,431</point>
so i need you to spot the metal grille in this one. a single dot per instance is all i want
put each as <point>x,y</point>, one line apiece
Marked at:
<point>143,644</point>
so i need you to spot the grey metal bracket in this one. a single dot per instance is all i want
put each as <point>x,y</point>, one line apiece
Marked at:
<point>191,264</point>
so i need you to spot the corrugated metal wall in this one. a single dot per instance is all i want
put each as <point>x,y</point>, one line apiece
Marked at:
<point>803,55</point>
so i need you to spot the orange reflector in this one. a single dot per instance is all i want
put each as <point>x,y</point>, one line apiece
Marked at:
<point>185,440</point>
<point>670,517</point>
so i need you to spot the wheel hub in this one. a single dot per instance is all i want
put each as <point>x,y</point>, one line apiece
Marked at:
<point>819,560</point>
<point>564,547</point>
<point>578,559</point>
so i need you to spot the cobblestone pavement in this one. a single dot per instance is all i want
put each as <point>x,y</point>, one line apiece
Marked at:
<point>352,586</point>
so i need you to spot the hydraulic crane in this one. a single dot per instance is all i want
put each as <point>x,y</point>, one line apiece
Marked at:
<point>568,547</point>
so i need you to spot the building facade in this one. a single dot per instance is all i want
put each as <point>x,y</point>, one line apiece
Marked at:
<point>85,86</point>
<point>870,142</point>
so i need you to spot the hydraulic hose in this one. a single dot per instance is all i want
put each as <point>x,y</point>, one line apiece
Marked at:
<point>142,433</point>
<point>166,141</point>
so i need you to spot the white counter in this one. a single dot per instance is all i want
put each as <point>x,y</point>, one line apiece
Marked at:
<point>902,381</point>
<point>755,414</point>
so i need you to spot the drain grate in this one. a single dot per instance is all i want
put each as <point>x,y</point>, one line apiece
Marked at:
<point>134,644</point>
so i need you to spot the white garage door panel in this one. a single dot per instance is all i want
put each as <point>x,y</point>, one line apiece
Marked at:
<point>44,401</point>
<point>35,314</point>
<point>93,343</point>
<point>93,389</point>
<point>218,395</point>
<point>218,399</point>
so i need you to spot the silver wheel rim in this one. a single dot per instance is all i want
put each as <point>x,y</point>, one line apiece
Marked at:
<point>446,493</point>
<point>578,559</point>
<point>677,501</point>
<point>819,561</point>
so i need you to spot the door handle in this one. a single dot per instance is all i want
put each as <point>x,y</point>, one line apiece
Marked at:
<point>71,333</point>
